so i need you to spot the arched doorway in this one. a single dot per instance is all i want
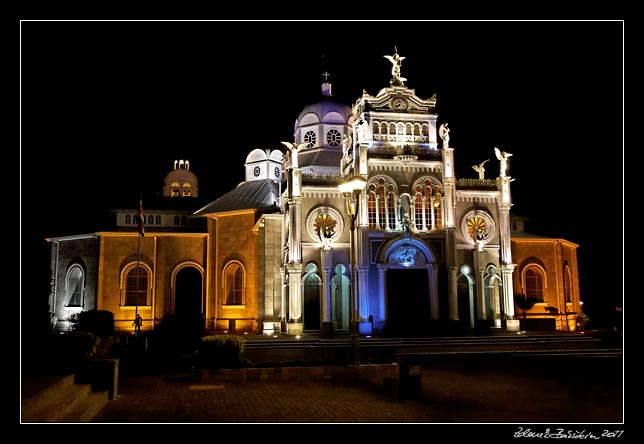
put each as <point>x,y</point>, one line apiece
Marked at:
<point>340,298</point>
<point>493,297</point>
<point>312,285</point>
<point>465,298</point>
<point>410,287</point>
<point>188,308</point>
<point>408,307</point>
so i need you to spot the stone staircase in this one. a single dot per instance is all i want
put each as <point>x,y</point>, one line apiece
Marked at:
<point>59,399</point>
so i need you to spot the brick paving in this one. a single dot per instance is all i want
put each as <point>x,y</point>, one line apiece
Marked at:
<point>451,393</point>
<point>178,399</point>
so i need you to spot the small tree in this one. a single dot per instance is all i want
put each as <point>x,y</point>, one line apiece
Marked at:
<point>524,303</point>
<point>96,322</point>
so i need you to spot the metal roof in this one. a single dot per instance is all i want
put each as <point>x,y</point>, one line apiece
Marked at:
<point>256,194</point>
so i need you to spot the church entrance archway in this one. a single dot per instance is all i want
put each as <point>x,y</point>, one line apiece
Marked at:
<point>188,307</point>
<point>312,302</point>
<point>312,286</point>
<point>408,305</point>
<point>340,288</point>
<point>465,298</point>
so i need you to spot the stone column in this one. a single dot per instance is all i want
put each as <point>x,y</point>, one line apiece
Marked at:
<point>326,328</point>
<point>433,285</point>
<point>453,294</point>
<point>382,297</point>
<point>294,326</point>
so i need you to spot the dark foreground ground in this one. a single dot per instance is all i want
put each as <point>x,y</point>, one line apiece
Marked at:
<point>573,393</point>
<point>484,393</point>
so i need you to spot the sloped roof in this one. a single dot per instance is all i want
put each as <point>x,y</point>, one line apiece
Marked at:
<point>320,157</point>
<point>252,195</point>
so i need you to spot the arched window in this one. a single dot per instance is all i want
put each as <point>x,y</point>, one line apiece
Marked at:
<point>174,192</point>
<point>158,220</point>
<point>75,286</point>
<point>400,131</point>
<point>428,203</point>
<point>437,206</point>
<point>381,202</point>
<point>533,282</point>
<point>376,128</point>
<point>150,220</point>
<point>371,206</point>
<point>137,286</point>
<point>391,207</point>
<point>234,284</point>
<point>128,219</point>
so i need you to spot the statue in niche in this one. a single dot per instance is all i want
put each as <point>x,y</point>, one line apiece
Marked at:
<point>480,169</point>
<point>503,158</point>
<point>396,61</point>
<point>404,209</point>
<point>443,132</point>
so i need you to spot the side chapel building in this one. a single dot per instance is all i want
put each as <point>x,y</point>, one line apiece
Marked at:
<point>430,250</point>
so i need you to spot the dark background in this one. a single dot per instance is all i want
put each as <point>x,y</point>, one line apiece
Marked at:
<point>107,106</point>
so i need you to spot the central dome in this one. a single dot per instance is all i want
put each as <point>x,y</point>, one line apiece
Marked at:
<point>326,111</point>
<point>323,126</point>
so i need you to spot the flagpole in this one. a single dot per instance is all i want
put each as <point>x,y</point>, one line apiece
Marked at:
<point>138,289</point>
<point>141,228</point>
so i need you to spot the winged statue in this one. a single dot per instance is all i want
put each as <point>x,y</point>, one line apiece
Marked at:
<point>503,158</point>
<point>480,169</point>
<point>396,60</point>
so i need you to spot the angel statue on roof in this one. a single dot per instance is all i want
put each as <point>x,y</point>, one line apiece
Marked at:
<point>396,61</point>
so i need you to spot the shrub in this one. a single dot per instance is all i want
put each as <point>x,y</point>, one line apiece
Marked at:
<point>219,351</point>
<point>524,302</point>
<point>97,322</point>
<point>64,353</point>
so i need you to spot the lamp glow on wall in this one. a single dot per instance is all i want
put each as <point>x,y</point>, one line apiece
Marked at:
<point>351,190</point>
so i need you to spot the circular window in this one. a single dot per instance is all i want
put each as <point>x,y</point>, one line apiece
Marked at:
<point>333,137</point>
<point>310,139</point>
<point>324,224</point>
<point>277,171</point>
<point>478,226</point>
<point>256,171</point>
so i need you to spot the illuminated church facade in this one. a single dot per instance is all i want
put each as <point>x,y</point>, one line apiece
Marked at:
<point>410,249</point>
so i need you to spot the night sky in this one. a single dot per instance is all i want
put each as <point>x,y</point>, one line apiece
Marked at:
<point>107,106</point>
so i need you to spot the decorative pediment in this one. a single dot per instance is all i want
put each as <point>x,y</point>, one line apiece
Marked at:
<point>395,99</point>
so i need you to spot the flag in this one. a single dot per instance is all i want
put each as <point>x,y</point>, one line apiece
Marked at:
<point>141,219</point>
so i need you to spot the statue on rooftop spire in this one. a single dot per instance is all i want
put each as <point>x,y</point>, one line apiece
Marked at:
<point>396,60</point>
<point>443,132</point>
<point>480,169</point>
<point>503,158</point>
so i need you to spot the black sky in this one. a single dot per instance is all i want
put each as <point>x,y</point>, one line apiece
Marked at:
<point>107,106</point>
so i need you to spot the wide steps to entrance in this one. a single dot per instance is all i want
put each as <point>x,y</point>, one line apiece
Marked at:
<point>469,341</point>
<point>380,349</point>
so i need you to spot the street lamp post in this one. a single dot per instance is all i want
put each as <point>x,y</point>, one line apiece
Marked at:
<point>351,190</point>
